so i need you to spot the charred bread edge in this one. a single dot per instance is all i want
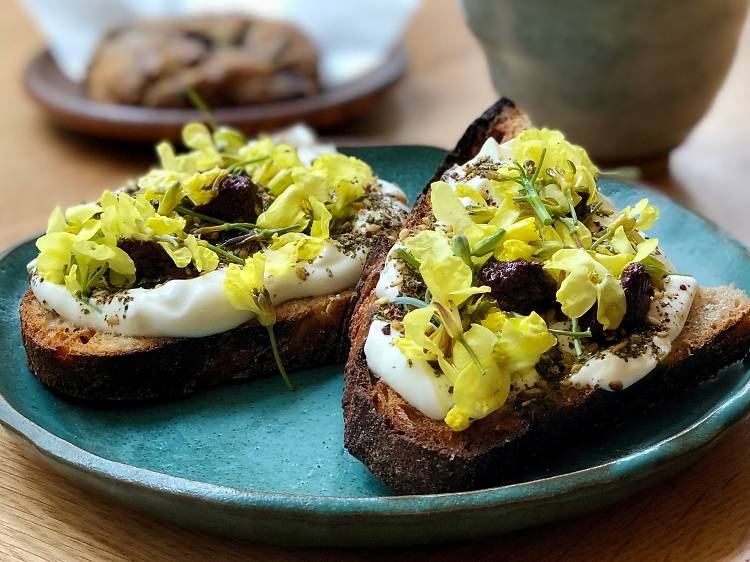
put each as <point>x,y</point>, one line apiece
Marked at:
<point>410,466</point>
<point>308,331</point>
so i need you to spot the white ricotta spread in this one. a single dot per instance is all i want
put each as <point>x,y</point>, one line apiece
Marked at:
<point>413,379</point>
<point>389,282</point>
<point>196,307</point>
<point>669,313</point>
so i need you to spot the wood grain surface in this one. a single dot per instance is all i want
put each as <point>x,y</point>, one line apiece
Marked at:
<point>703,514</point>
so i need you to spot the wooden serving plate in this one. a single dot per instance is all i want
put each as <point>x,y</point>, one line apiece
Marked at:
<point>66,104</point>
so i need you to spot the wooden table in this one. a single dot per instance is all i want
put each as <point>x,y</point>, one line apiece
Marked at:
<point>704,514</point>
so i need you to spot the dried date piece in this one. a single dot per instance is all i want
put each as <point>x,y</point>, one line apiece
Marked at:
<point>152,263</point>
<point>519,286</point>
<point>235,200</point>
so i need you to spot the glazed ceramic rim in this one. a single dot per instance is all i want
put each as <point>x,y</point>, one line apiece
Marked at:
<point>628,468</point>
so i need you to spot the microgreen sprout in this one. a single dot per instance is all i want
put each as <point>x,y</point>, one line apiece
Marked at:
<point>627,172</point>
<point>603,238</point>
<point>189,212</point>
<point>410,260</point>
<point>488,243</point>
<point>229,256</point>
<point>451,319</point>
<point>571,333</point>
<point>460,248</point>
<point>259,234</point>
<point>87,302</point>
<point>239,167</point>
<point>577,340</point>
<point>530,193</point>
<point>246,227</point>
<point>267,318</point>
<point>410,301</point>
<point>202,106</point>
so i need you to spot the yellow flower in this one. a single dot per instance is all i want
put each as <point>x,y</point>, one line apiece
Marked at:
<point>448,209</point>
<point>476,394</point>
<point>77,215</point>
<point>296,206</point>
<point>244,287</point>
<point>587,282</point>
<point>570,163</point>
<point>55,250</point>
<point>421,339</point>
<point>516,241</point>
<point>523,341</point>
<point>321,220</point>
<point>195,172</point>
<point>181,255</point>
<point>123,215</point>
<point>56,221</point>
<point>465,190</point>
<point>160,224</point>
<point>449,281</point>
<point>229,140</point>
<point>347,178</point>
<point>429,244</point>
<point>642,217</point>
<point>289,208</point>
<point>203,258</point>
<point>199,186</point>
<point>268,164</point>
<point>297,245</point>
<point>646,214</point>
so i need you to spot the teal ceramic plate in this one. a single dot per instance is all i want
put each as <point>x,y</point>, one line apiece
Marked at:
<point>255,461</point>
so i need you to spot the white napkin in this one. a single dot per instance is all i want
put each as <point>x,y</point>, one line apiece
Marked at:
<point>353,36</point>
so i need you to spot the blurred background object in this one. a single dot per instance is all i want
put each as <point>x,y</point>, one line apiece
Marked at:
<point>627,79</point>
<point>227,60</point>
<point>258,65</point>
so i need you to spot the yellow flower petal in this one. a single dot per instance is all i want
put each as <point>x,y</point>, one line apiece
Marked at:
<point>620,242</point>
<point>163,225</point>
<point>203,258</point>
<point>56,221</point>
<point>416,342</point>
<point>449,280</point>
<point>321,219</point>
<point>79,214</point>
<point>448,209</point>
<point>523,340</point>
<point>476,394</point>
<point>647,214</point>
<point>429,244</point>
<point>611,299</point>
<point>286,210</point>
<point>577,294</point>
<point>645,249</point>
<point>180,256</point>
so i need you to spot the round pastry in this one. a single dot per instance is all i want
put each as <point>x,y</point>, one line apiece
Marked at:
<point>227,60</point>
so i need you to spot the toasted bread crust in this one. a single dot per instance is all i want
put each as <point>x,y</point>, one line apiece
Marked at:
<point>89,365</point>
<point>414,454</point>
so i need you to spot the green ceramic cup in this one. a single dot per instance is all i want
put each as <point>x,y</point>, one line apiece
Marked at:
<point>627,79</point>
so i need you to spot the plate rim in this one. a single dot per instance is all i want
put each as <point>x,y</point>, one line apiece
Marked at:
<point>701,434</point>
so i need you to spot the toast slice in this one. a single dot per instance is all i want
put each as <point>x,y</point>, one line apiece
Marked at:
<point>100,366</point>
<point>414,454</point>
<point>187,311</point>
